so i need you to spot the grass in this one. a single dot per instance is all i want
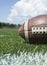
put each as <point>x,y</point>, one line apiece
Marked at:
<point>11,42</point>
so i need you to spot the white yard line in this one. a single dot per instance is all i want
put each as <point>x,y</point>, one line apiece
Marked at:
<point>24,59</point>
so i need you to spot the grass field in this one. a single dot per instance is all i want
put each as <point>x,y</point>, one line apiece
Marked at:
<point>11,42</point>
<point>11,45</point>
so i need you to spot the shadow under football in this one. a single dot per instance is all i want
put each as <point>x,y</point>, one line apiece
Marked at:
<point>38,40</point>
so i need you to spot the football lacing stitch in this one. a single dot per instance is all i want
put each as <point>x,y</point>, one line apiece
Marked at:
<point>38,30</point>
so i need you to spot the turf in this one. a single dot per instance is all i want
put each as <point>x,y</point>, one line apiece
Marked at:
<point>11,42</point>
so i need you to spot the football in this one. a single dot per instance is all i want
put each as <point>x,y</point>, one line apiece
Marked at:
<point>34,29</point>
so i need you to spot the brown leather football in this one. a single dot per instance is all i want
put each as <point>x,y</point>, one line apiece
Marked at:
<point>34,29</point>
